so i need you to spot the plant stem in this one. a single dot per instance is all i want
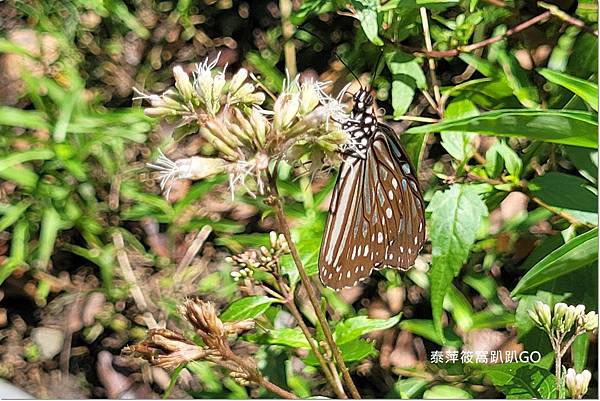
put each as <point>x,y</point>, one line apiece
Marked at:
<point>335,384</point>
<point>434,81</point>
<point>566,347</point>
<point>254,374</point>
<point>277,206</point>
<point>557,367</point>
<point>287,29</point>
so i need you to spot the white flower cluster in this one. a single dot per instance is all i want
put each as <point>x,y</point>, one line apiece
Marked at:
<point>247,137</point>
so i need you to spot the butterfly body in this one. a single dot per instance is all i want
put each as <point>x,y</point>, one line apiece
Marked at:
<point>376,216</point>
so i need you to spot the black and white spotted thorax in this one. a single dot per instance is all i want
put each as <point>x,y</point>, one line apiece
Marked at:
<point>361,125</point>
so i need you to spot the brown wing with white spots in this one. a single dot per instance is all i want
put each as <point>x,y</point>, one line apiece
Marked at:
<point>375,218</point>
<point>399,201</point>
<point>340,262</point>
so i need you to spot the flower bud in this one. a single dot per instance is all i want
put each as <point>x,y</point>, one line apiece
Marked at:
<point>309,98</point>
<point>219,82</point>
<point>254,98</point>
<point>243,91</point>
<point>183,84</point>
<point>273,239</point>
<point>285,110</point>
<point>159,112</point>
<point>558,319</point>
<point>590,321</point>
<point>260,124</point>
<point>542,311</point>
<point>237,80</point>
<point>572,316</point>
<point>577,383</point>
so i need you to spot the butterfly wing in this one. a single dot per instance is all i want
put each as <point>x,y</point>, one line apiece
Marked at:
<point>376,217</point>
<point>399,201</point>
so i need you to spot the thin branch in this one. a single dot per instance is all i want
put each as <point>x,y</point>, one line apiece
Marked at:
<point>136,292</point>
<point>568,344</point>
<point>287,29</point>
<point>193,249</point>
<point>434,81</point>
<point>329,372</point>
<point>469,48</point>
<point>560,14</point>
<point>277,206</point>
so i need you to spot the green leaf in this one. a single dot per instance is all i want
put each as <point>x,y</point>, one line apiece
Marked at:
<point>575,254</point>
<point>410,388</point>
<point>403,91</point>
<point>366,12</point>
<point>50,226</point>
<point>425,329</point>
<point>23,118</point>
<point>355,350</point>
<point>289,337</point>
<point>586,90</point>
<point>567,193</point>
<point>569,127</point>
<point>355,327</point>
<point>520,380</point>
<point>513,163</point>
<point>446,392</point>
<point>12,214</point>
<point>518,79</point>
<point>274,78</point>
<point>579,352</point>
<point>22,157</point>
<point>586,161</point>
<point>247,308</point>
<point>455,219</point>
<point>458,144</point>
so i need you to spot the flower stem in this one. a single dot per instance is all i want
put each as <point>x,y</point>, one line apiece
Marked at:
<point>337,388</point>
<point>277,206</point>
<point>558,368</point>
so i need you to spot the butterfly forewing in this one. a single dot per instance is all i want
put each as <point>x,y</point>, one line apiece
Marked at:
<point>376,217</point>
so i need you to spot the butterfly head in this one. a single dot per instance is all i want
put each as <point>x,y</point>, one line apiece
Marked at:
<point>363,104</point>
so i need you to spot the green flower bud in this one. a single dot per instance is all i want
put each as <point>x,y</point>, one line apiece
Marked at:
<point>183,84</point>
<point>573,315</point>
<point>558,320</point>
<point>237,80</point>
<point>159,112</point>
<point>254,98</point>
<point>543,315</point>
<point>590,321</point>
<point>309,98</point>
<point>217,90</point>
<point>260,124</point>
<point>285,110</point>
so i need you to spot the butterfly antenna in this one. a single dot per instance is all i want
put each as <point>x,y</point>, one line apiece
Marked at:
<point>374,74</point>
<point>335,53</point>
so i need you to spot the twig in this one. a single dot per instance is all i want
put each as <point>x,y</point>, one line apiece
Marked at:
<point>287,29</point>
<point>568,344</point>
<point>328,371</point>
<point>560,14</point>
<point>469,48</point>
<point>431,61</point>
<point>277,206</point>
<point>523,187</point>
<point>136,292</point>
<point>193,249</point>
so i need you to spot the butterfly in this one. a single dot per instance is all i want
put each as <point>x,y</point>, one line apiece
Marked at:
<point>376,217</point>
